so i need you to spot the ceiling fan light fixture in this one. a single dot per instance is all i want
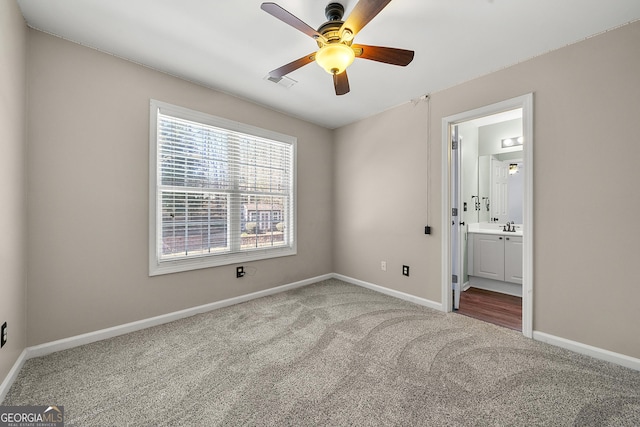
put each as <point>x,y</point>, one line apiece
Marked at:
<point>334,39</point>
<point>334,58</point>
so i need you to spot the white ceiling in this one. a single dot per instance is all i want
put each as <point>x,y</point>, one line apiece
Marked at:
<point>231,45</point>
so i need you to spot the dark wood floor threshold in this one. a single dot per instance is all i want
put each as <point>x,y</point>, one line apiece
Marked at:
<point>493,307</point>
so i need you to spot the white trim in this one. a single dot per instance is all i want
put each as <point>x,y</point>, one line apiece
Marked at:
<point>12,375</point>
<point>445,241</point>
<point>102,334</point>
<point>390,292</point>
<point>527,218</point>
<point>526,103</point>
<point>588,350</point>
<point>67,343</point>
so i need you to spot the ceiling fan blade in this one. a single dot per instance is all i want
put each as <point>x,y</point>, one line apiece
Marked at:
<point>364,12</point>
<point>292,66</point>
<point>341,83</point>
<point>388,55</point>
<point>286,17</point>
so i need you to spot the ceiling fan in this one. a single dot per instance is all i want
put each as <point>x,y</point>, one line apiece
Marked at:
<point>335,41</point>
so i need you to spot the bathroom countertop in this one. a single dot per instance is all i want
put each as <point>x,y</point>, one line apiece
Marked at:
<point>493,228</point>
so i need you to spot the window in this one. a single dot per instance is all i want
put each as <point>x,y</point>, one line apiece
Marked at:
<point>221,192</point>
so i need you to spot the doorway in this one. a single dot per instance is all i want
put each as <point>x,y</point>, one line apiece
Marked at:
<point>457,209</point>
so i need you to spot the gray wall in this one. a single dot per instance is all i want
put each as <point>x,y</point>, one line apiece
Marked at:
<point>88,194</point>
<point>586,150</point>
<point>13,39</point>
<point>381,204</point>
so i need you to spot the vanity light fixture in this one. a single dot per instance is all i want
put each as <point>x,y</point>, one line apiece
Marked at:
<point>512,142</point>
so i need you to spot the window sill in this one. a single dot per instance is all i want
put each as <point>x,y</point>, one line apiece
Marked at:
<point>177,266</point>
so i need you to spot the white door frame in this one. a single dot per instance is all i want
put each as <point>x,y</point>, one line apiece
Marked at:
<point>456,232</point>
<point>526,103</point>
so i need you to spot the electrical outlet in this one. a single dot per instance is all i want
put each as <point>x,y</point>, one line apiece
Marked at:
<point>383,265</point>
<point>405,270</point>
<point>239,272</point>
<point>3,334</point>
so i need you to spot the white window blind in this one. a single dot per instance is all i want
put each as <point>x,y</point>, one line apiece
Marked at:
<point>223,192</point>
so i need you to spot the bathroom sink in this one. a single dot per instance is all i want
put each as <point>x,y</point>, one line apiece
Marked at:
<point>494,228</point>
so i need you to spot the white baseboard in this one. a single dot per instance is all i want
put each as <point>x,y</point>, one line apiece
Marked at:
<point>102,334</point>
<point>12,375</point>
<point>391,292</point>
<point>78,340</point>
<point>595,352</point>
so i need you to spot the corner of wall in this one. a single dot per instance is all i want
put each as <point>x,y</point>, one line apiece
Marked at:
<point>13,41</point>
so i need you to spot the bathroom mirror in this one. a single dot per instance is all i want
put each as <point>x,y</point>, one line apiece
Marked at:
<point>500,187</point>
<point>492,177</point>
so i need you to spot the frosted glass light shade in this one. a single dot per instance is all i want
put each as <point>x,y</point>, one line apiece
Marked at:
<point>512,142</point>
<point>335,57</point>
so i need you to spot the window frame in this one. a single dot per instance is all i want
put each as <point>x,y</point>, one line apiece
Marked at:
<point>159,267</point>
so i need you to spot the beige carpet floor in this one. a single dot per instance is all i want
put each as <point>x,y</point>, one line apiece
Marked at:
<point>328,354</point>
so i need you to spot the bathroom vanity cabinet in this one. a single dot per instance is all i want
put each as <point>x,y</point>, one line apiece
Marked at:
<point>496,257</point>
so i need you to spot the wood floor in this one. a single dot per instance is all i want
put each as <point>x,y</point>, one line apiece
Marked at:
<point>493,307</point>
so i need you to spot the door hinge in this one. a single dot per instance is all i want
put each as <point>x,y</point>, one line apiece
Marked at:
<point>454,144</point>
<point>454,211</point>
<point>454,278</point>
